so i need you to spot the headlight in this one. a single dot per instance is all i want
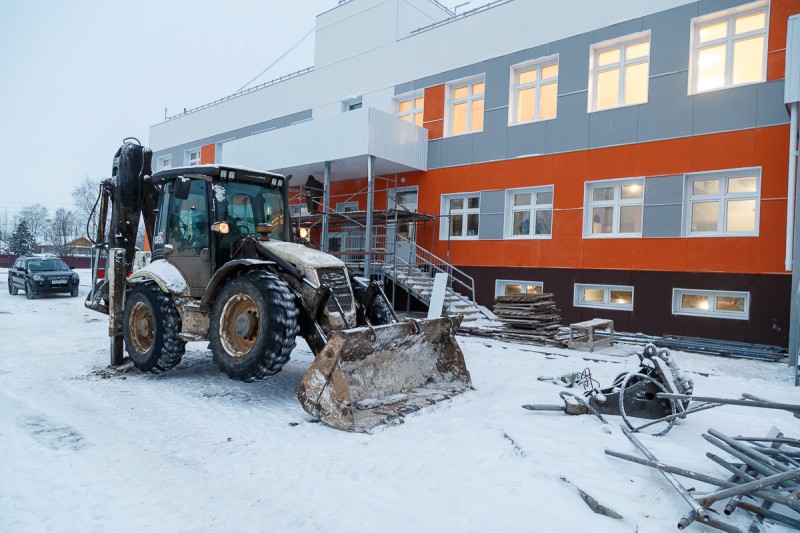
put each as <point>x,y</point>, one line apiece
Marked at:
<point>75,277</point>
<point>37,277</point>
<point>303,232</point>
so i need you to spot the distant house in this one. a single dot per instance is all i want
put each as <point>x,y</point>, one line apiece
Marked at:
<point>80,247</point>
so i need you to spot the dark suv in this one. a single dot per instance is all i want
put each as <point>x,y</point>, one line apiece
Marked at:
<point>37,275</point>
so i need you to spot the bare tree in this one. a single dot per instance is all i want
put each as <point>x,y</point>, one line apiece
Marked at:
<point>61,231</point>
<point>84,195</point>
<point>36,218</point>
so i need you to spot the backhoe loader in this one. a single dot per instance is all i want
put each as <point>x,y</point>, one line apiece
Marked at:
<point>224,269</point>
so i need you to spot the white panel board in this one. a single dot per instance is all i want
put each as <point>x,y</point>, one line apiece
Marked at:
<point>437,297</point>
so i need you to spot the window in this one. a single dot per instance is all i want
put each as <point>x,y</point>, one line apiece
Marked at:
<point>192,157</point>
<point>346,207</point>
<point>352,104</point>
<point>534,90</point>
<point>729,48</point>
<point>604,296</point>
<point>164,162</point>
<point>465,106</point>
<point>614,208</point>
<point>723,203</point>
<point>460,216</point>
<point>504,287</point>
<point>620,72</point>
<point>529,212</point>
<point>411,107</point>
<point>720,304</point>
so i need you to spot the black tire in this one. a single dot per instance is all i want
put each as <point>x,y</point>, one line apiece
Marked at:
<point>253,325</point>
<point>74,292</point>
<point>381,313</point>
<point>12,290</point>
<point>29,294</point>
<point>151,325</point>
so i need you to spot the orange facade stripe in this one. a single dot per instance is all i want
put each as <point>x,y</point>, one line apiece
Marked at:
<point>208,154</point>
<point>780,11</point>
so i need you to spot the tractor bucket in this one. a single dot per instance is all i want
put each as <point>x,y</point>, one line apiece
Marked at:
<point>365,377</point>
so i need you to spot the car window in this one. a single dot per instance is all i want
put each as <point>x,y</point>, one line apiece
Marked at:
<point>47,264</point>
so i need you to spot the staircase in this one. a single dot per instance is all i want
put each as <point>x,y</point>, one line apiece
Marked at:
<point>414,271</point>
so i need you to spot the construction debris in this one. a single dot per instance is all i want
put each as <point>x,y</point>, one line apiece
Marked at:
<point>764,475</point>
<point>525,318</point>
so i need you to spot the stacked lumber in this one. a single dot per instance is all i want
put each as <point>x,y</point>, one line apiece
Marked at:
<point>528,318</point>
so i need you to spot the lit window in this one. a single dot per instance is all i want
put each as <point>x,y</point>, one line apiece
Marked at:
<point>614,208</point>
<point>529,212</point>
<point>164,162</point>
<point>535,89</point>
<point>505,287</point>
<point>723,203</point>
<point>720,304</point>
<point>466,106</point>
<point>411,107</point>
<point>604,296</point>
<point>620,72</point>
<point>192,157</point>
<point>460,216</point>
<point>729,48</point>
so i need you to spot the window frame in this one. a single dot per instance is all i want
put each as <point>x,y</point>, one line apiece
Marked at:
<point>501,284</point>
<point>508,222</point>
<point>160,162</point>
<point>578,300</point>
<point>728,15</point>
<point>451,102</point>
<point>623,43</point>
<point>187,156</point>
<point>412,113</point>
<point>444,229</point>
<point>515,87</point>
<point>678,309</point>
<point>617,203</point>
<point>722,198</point>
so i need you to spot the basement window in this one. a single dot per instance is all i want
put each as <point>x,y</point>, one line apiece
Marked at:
<point>719,304</point>
<point>505,287</point>
<point>604,296</point>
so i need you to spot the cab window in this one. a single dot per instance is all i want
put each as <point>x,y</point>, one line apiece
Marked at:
<point>187,222</point>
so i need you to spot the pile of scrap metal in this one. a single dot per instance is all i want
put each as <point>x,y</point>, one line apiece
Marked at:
<point>634,394</point>
<point>763,481</point>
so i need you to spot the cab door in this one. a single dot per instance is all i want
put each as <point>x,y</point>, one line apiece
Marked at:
<point>187,232</point>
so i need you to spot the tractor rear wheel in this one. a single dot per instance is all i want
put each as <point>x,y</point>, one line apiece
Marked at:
<point>253,325</point>
<point>151,325</point>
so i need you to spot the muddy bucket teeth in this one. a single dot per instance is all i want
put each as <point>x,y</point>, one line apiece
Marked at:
<point>365,377</point>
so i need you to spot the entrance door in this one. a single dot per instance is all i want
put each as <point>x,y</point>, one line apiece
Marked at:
<point>405,199</point>
<point>188,233</point>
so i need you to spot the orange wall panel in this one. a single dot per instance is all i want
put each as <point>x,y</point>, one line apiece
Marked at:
<point>660,254</point>
<point>723,150</point>
<point>718,254</point>
<point>208,154</point>
<point>772,154</point>
<point>661,158</point>
<point>614,254</point>
<point>434,104</point>
<point>435,129</point>
<point>767,252</point>
<point>610,163</point>
<point>779,13</point>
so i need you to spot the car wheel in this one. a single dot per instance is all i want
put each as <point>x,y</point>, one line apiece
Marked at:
<point>74,292</point>
<point>12,289</point>
<point>29,294</point>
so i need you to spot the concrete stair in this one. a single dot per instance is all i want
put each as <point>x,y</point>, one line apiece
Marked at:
<point>420,284</point>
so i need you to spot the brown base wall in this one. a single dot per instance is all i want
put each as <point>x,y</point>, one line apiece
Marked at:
<point>652,306</point>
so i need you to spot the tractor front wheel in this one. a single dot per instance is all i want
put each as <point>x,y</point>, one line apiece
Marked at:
<point>253,325</point>
<point>151,325</point>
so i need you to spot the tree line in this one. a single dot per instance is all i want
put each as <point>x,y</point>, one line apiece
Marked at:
<point>35,226</point>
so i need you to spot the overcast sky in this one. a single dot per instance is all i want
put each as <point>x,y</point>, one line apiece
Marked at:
<point>77,77</point>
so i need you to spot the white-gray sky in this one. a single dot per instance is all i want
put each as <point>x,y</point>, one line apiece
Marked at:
<point>78,77</point>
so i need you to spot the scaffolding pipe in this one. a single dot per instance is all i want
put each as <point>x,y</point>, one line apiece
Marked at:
<point>792,184</point>
<point>370,207</point>
<point>326,204</point>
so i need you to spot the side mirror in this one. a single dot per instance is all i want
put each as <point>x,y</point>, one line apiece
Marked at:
<point>181,189</point>
<point>264,230</point>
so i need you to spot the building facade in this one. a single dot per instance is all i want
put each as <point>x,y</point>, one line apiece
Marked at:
<point>629,157</point>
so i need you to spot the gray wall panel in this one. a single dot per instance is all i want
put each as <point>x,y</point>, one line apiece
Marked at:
<point>429,81</point>
<point>456,150</point>
<point>498,77</point>
<point>670,33</point>
<point>617,30</point>
<point>661,221</point>
<point>712,6</point>
<point>463,72</point>
<point>527,139</point>
<point>404,88</point>
<point>434,154</point>
<point>725,110</point>
<point>669,112</point>
<point>663,190</point>
<point>492,216</point>
<point>613,126</point>
<point>770,109</point>
<point>529,54</point>
<point>573,59</point>
<point>570,131</point>
<point>491,144</point>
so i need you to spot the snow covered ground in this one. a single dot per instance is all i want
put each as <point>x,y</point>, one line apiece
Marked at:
<point>86,449</point>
